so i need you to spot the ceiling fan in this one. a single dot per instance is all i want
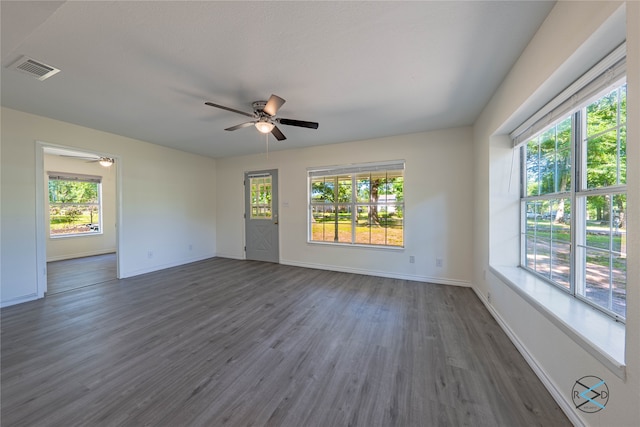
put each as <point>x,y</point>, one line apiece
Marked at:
<point>104,161</point>
<point>264,117</point>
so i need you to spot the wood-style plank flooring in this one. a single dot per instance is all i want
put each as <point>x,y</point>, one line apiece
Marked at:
<point>75,273</point>
<point>239,343</point>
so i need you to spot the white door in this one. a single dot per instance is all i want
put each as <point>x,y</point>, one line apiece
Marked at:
<point>261,215</point>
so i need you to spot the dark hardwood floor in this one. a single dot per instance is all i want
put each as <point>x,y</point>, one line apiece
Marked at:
<point>75,273</point>
<point>239,343</point>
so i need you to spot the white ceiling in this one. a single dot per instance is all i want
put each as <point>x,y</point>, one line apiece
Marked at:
<point>361,69</point>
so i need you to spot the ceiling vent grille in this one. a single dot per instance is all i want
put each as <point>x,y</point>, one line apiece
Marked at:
<point>34,68</point>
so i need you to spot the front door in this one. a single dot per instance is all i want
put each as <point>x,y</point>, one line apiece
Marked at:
<point>261,215</point>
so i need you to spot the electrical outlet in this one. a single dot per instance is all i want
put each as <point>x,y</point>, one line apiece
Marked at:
<point>438,262</point>
<point>412,259</point>
<point>190,247</point>
<point>150,254</point>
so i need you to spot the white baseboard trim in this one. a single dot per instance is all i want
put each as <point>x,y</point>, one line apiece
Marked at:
<point>80,255</point>
<point>151,269</point>
<point>230,256</point>
<point>379,273</point>
<point>565,405</point>
<point>18,300</point>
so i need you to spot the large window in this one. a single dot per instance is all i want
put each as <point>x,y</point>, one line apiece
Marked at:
<point>74,204</point>
<point>574,201</point>
<point>361,204</point>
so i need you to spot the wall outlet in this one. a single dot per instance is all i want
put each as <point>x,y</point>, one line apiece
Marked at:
<point>412,259</point>
<point>150,254</point>
<point>190,247</point>
<point>438,262</point>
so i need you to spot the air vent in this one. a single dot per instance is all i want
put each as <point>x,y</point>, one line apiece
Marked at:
<point>34,68</point>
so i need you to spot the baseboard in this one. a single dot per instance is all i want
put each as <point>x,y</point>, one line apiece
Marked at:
<point>230,256</point>
<point>558,396</point>
<point>151,269</point>
<point>81,255</point>
<point>379,273</point>
<point>18,300</point>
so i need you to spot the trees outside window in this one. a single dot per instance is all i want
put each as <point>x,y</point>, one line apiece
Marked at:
<point>574,202</point>
<point>357,206</point>
<point>74,205</point>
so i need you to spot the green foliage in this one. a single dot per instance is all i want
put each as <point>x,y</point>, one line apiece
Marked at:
<point>548,156</point>
<point>72,192</point>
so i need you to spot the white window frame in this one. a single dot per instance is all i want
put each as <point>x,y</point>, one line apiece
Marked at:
<point>353,203</point>
<point>605,76</point>
<point>65,176</point>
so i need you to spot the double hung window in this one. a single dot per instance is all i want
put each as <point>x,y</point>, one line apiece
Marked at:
<point>74,204</point>
<point>357,204</point>
<point>574,196</point>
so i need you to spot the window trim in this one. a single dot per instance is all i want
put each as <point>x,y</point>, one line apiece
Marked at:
<point>77,177</point>
<point>352,169</point>
<point>578,191</point>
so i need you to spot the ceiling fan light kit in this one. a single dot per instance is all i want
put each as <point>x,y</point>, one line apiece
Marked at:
<point>106,161</point>
<point>264,126</point>
<point>264,117</point>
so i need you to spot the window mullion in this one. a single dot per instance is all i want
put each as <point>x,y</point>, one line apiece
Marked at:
<point>354,208</point>
<point>576,222</point>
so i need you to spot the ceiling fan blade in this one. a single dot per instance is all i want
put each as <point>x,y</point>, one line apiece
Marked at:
<point>233,110</point>
<point>279,135</point>
<point>299,123</point>
<point>241,125</point>
<point>273,105</point>
<point>87,158</point>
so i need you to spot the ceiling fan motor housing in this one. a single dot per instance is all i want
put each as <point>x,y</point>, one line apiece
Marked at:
<point>258,106</point>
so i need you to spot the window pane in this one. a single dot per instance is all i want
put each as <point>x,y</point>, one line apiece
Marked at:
<point>623,155</point>
<point>344,189</point>
<point>344,224</point>
<point>623,104</point>
<point>323,190</point>
<point>533,168</point>
<point>74,207</point>
<point>260,197</point>
<point>322,223</point>
<point>619,284</point>
<point>394,226</point>
<point>543,257</point>
<point>363,184</point>
<point>363,225</point>
<point>602,160</point>
<point>597,278</point>
<point>559,223</point>
<point>548,160</point>
<point>602,114</point>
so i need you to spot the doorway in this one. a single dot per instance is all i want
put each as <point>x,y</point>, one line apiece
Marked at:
<point>79,250</point>
<point>261,216</point>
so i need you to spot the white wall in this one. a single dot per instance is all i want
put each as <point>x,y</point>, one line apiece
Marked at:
<point>167,201</point>
<point>574,36</point>
<point>438,209</point>
<point>59,248</point>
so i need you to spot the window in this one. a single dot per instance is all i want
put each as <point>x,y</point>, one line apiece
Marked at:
<point>358,205</point>
<point>260,197</point>
<point>573,201</point>
<point>74,204</point>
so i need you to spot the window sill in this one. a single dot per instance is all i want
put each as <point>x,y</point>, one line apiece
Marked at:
<point>66,236</point>
<point>598,334</point>
<point>355,245</point>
